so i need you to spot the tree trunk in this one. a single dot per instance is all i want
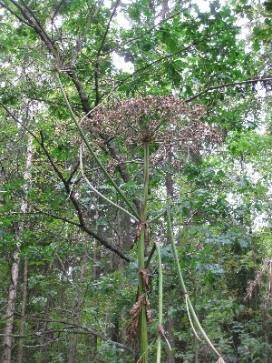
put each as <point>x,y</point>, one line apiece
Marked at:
<point>23,311</point>
<point>96,273</point>
<point>77,309</point>
<point>171,339</point>
<point>7,340</point>
<point>165,9</point>
<point>11,300</point>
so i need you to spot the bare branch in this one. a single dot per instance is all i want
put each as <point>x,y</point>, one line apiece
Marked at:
<point>13,13</point>
<point>57,9</point>
<point>32,21</point>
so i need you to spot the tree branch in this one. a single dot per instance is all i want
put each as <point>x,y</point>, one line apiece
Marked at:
<point>13,13</point>
<point>79,211</point>
<point>151,64</point>
<point>39,211</point>
<point>227,85</point>
<point>33,22</point>
<point>96,68</point>
<point>147,31</point>
<point>57,9</point>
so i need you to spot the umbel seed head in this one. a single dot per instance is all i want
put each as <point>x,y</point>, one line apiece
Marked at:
<point>148,119</point>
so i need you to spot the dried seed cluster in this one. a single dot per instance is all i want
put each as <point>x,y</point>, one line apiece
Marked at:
<point>146,119</point>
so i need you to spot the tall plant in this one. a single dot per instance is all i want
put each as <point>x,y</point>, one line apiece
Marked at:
<point>147,122</point>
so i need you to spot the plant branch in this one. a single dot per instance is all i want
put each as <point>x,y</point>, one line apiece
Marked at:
<point>79,211</point>
<point>34,23</point>
<point>100,194</point>
<point>92,152</point>
<point>85,328</point>
<point>72,331</point>
<point>38,212</point>
<point>73,172</point>
<point>190,318</point>
<point>13,13</point>
<point>184,289</point>
<point>147,31</point>
<point>153,249</point>
<point>55,216</point>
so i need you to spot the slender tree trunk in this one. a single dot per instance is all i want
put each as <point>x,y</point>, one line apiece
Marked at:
<point>43,326</point>
<point>23,311</point>
<point>7,340</point>
<point>12,293</point>
<point>77,310</point>
<point>171,339</point>
<point>196,348</point>
<point>165,9</point>
<point>96,271</point>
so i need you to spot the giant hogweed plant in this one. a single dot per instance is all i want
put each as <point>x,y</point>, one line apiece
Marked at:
<point>144,126</point>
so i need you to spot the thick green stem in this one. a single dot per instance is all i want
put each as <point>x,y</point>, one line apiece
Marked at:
<point>143,338</point>
<point>190,309</point>
<point>171,237</point>
<point>202,331</point>
<point>190,318</point>
<point>160,304</point>
<point>146,179</point>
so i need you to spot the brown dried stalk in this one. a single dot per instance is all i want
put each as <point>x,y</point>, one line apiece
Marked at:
<point>252,286</point>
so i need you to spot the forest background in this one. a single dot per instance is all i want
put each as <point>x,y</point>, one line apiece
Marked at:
<point>135,181</point>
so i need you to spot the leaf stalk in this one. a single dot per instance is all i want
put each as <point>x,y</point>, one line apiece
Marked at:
<point>190,309</point>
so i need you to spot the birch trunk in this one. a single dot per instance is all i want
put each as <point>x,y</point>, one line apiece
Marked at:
<point>12,293</point>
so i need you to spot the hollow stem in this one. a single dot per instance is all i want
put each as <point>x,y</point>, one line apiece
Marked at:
<point>143,337</point>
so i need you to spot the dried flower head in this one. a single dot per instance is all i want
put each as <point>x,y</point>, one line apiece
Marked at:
<point>148,119</point>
